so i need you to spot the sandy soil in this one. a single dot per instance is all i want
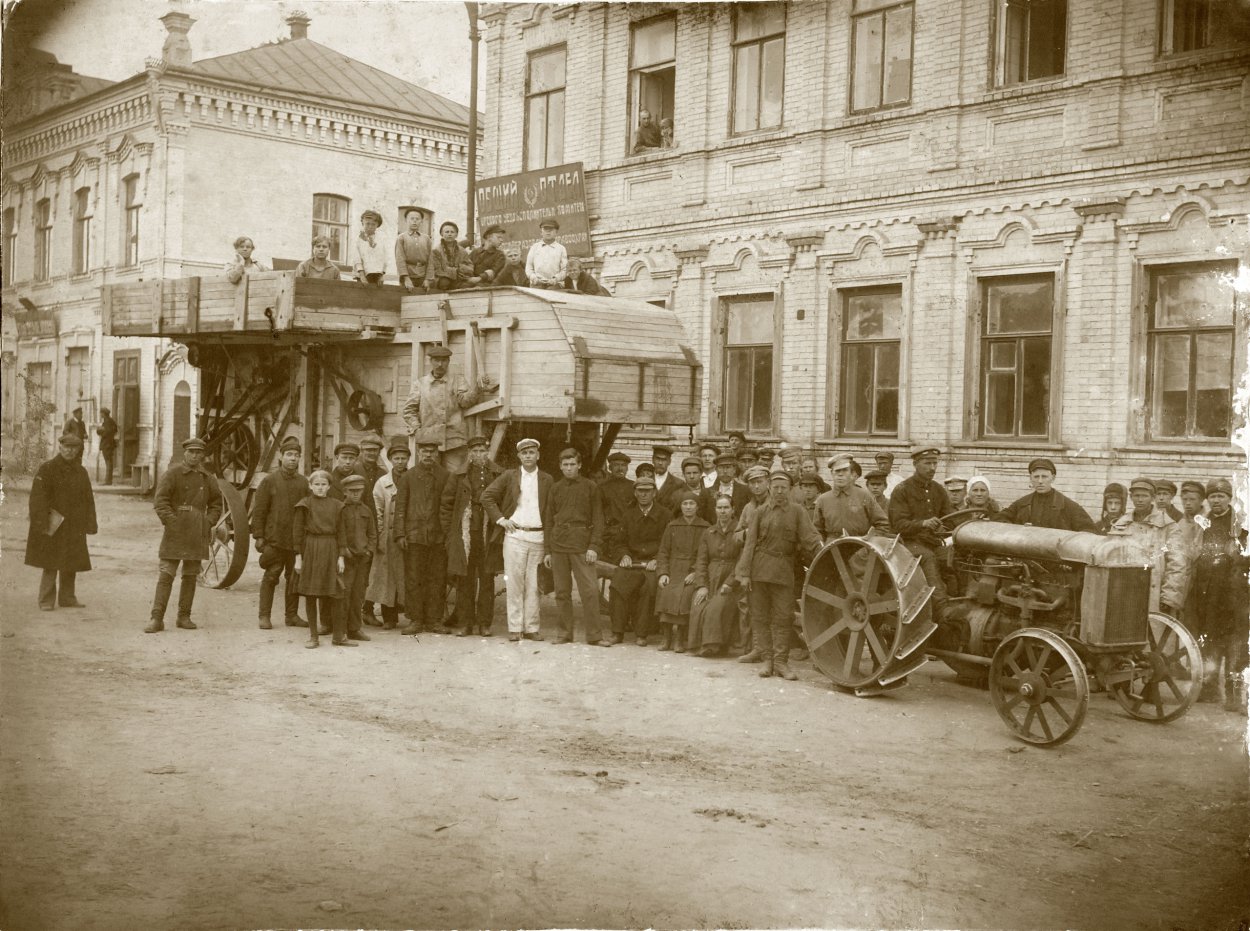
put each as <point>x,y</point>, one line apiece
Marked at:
<point>229,778</point>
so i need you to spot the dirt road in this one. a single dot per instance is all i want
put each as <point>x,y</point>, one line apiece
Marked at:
<point>228,778</point>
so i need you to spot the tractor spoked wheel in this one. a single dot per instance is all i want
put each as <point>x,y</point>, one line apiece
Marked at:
<point>1166,674</point>
<point>1039,686</point>
<point>228,547</point>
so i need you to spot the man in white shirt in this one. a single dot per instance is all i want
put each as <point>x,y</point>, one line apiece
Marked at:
<point>547,263</point>
<point>516,502</point>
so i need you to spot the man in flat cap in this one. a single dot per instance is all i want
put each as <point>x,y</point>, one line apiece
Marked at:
<point>635,582</point>
<point>188,503</point>
<point>75,426</point>
<point>438,402</point>
<point>489,259</point>
<point>617,492</point>
<point>107,432</point>
<point>916,508</point>
<point>273,525</point>
<point>884,461</point>
<point>359,540</point>
<point>846,509</point>
<point>1045,507</point>
<point>726,483</point>
<point>572,540</point>
<point>1165,493</point>
<point>343,465</point>
<point>1157,539</point>
<point>956,489</point>
<point>62,516</point>
<point>666,483</point>
<point>779,535</point>
<point>1222,596</point>
<point>418,531</point>
<point>472,560</point>
<point>516,502</point>
<point>369,466</point>
<point>386,575</point>
<point>547,262</point>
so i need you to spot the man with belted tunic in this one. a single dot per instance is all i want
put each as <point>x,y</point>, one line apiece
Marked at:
<point>436,407</point>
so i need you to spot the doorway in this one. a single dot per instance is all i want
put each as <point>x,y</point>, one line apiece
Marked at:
<point>126,407</point>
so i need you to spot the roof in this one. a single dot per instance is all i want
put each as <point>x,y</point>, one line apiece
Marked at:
<point>302,65</point>
<point>598,327</point>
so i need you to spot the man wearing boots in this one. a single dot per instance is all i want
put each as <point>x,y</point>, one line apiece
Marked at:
<point>371,469</point>
<point>573,538</point>
<point>360,530</point>
<point>419,534</point>
<point>1222,594</point>
<point>634,583</point>
<point>62,514</point>
<point>916,508</point>
<point>273,521</point>
<point>779,534</point>
<point>472,561</point>
<point>188,502</point>
<point>386,577</point>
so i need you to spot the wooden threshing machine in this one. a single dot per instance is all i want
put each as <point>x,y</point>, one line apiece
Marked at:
<point>327,361</point>
<point>1038,612</point>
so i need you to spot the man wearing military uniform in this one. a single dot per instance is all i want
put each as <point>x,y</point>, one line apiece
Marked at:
<point>846,509</point>
<point>916,508</point>
<point>1045,507</point>
<point>188,503</point>
<point>273,525</point>
<point>437,404</point>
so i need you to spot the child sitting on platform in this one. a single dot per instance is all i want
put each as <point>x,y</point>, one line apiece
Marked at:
<point>319,546</point>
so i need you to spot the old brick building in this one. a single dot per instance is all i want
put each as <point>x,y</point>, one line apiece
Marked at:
<point>154,176</point>
<point>1009,229</point>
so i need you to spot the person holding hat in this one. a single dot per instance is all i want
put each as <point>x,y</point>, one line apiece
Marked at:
<point>437,404</point>
<point>359,535</point>
<point>779,534</point>
<point>418,531</point>
<point>273,530</point>
<point>582,281</point>
<point>1155,536</point>
<point>1045,507</point>
<point>386,575</point>
<point>726,483</point>
<point>572,541</point>
<point>634,583</point>
<point>1165,492</point>
<point>412,252</point>
<point>1221,595</point>
<point>489,260</point>
<point>547,262</point>
<point>472,560</point>
<point>846,510</point>
<point>1114,506</point>
<point>917,507</point>
<point>62,516</point>
<point>451,267</point>
<point>369,266</point>
<point>516,502</point>
<point>188,502</point>
<point>107,432</point>
<point>242,264</point>
<point>343,465</point>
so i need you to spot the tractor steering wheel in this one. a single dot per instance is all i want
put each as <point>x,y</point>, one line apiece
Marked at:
<point>949,528</point>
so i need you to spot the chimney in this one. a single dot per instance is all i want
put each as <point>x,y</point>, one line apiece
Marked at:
<point>299,22</point>
<point>177,48</point>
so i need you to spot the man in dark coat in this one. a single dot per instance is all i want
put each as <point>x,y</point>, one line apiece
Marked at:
<point>419,533</point>
<point>633,590</point>
<point>617,492</point>
<point>726,483</point>
<point>75,426</point>
<point>573,539</point>
<point>1045,507</point>
<point>916,507</point>
<point>107,432</point>
<point>343,465</point>
<point>188,502</point>
<point>370,468</point>
<point>471,561</point>
<point>273,525</point>
<point>62,515</point>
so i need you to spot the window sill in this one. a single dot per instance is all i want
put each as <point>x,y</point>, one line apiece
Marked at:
<point>656,155</point>
<point>1010,446</point>
<point>1217,449</point>
<point>883,442</point>
<point>877,114</point>
<point>1025,88</point>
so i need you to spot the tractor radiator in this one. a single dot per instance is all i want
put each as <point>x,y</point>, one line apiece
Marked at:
<point>1115,604</point>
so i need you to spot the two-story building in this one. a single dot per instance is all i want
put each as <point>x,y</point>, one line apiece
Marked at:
<point>1007,228</point>
<point>155,176</point>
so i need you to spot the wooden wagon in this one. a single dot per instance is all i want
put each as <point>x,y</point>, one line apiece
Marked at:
<point>327,361</point>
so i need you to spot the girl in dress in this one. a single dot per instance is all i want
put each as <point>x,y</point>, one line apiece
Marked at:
<point>320,542</point>
<point>674,563</point>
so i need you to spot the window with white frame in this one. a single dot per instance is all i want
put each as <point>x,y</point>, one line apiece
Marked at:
<point>1191,334</point>
<point>1017,326</point>
<point>652,80</point>
<point>544,108</point>
<point>330,218</point>
<point>10,243</point>
<point>43,240</point>
<point>759,51</point>
<point>82,231</point>
<point>871,328</point>
<point>881,54</point>
<point>748,330</point>
<point>1184,26</point>
<point>134,206</point>
<point>1031,40</point>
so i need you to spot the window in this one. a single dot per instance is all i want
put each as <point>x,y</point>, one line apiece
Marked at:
<point>1017,315</point>
<point>652,77</point>
<point>330,219</point>
<point>130,246</point>
<point>881,54</point>
<point>1184,25</point>
<point>10,243</point>
<point>748,327</point>
<point>43,239</point>
<point>1031,37</point>
<point>759,65</point>
<point>82,231</point>
<point>1191,336</point>
<point>544,109</point>
<point>871,323</point>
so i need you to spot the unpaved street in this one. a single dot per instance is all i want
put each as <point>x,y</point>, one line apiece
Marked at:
<point>227,777</point>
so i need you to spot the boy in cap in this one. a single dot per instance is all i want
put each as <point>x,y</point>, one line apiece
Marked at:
<point>916,508</point>
<point>451,268</point>
<point>1045,507</point>
<point>1156,537</point>
<point>412,252</point>
<point>360,539</point>
<point>418,532</point>
<point>273,526</point>
<point>369,266</point>
<point>1165,492</point>
<point>343,465</point>
<point>634,589</point>
<point>1222,594</point>
<point>573,540</point>
<point>437,404</point>
<point>62,516</point>
<point>547,263</point>
<point>488,259</point>
<point>370,468</point>
<point>875,482</point>
<point>386,575</point>
<point>188,503</point>
<point>472,561</point>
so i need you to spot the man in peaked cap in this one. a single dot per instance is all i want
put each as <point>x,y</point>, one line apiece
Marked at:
<point>386,576</point>
<point>956,489</point>
<point>617,492</point>
<point>1045,507</point>
<point>547,262</point>
<point>188,503</point>
<point>916,508</point>
<point>437,403</point>
<point>62,516</point>
<point>473,560</point>
<point>1165,492</point>
<point>343,465</point>
<point>635,582</point>
<point>273,529</point>
<point>846,509</point>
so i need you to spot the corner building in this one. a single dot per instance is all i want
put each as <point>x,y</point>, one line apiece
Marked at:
<point>1007,229</point>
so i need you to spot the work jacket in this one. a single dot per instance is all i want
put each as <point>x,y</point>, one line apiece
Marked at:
<point>188,502</point>
<point>418,499</point>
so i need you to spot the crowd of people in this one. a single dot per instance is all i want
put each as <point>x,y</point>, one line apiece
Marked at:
<point>708,559</point>
<point>450,264</point>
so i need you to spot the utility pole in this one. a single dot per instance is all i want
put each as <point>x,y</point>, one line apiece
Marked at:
<point>475,37</point>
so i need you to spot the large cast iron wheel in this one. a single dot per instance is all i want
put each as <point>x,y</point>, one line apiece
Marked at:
<point>863,616</point>
<point>1039,686</point>
<point>235,453</point>
<point>1166,674</point>
<point>228,548</point>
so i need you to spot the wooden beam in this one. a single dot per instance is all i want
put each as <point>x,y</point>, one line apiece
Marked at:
<point>496,440</point>
<point>605,447</point>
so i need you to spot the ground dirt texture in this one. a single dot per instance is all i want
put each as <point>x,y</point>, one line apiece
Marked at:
<point>229,778</point>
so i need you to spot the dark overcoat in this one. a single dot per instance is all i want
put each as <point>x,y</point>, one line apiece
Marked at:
<point>62,486</point>
<point>188,502</point>
<point>464,519</point>
<point>1060,513</point>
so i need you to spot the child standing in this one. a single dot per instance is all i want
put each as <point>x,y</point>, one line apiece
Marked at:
<point>319,543</point>
<point>547,263</point>
<point>674,563</point>
<point>370,264</point>
<point>360,533</point>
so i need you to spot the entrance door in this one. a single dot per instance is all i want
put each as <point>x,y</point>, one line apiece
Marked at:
<point>126,407</point>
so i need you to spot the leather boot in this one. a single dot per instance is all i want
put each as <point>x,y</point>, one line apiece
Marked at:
<point>767,669</point>
<point>755,656</point>
<point>290,604</point>
<point>667,643</point>
<point>781,652</point>
<point>312,624</point>
<point>267,588</point>
<point>160,601</point>
<point>186,598</point>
